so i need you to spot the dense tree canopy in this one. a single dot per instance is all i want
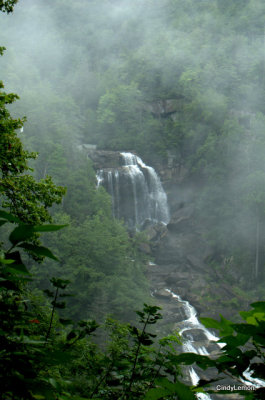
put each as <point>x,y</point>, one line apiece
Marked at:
<point>185,76</point>
<point>82,82</point>
<point>7,5</point>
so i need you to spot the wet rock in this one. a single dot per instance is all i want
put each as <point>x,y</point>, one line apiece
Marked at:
<point>194,335</point>
<point>171,280</point>
<point>162,293</point>
<point>150,232</point>
<point>181,291</point>
<point>104,158</point>
<point>155,232</point>
<point>179,221</point>
<point>173,317</point>
<point>213,348</point>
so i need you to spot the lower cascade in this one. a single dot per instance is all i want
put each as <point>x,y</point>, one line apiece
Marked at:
<point>136,191</point>
<point>196,338</point>
<point>138,196</point>
<point>199,340</point>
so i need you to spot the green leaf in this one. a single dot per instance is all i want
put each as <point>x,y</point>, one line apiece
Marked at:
<point>259,306</point>
<point>184,392</point>
<point>224,326</point>
<point>9,217</point>
<point>234,341</point>
<point>17,268</point>
<point>48,228</point>
<point>59,357</point>
<point>39,250</point>
<point>25,232</point>
<point>260,339</point>
<point>21,233</point>
<point>4,261</point>
<point>156,394</point>
<point>246,329</point>
<point>54,383</point>
<point>167,388</point>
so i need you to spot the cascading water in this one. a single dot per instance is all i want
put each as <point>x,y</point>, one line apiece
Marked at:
<point>137,196</point>
<point>197,339</point>
<point>136,191</point>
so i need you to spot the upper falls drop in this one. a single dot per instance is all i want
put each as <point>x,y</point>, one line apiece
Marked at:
<point>136,190</point>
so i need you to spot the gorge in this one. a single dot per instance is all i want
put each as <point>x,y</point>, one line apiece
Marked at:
<point>177,242</point>
<point>143,139</point>
<point>176,246</point>
<point>140,200</point>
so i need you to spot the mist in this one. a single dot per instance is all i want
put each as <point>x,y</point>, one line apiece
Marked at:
<point>96,71</point>
<point>134,192</point>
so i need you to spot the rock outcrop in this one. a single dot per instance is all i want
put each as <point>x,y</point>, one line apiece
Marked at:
<point>181,264</point>
<point>104,158</point>
<point>179,249</point>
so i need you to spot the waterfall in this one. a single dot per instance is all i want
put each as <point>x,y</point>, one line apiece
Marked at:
<point>196,338</point>
<point>136,191</point>
<point>199,340</point>
<point>138,196</point>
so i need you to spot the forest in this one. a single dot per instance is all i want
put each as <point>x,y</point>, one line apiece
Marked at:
<point>180,84</point>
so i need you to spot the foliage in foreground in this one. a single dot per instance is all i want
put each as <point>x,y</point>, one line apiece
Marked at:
<point>47,357</point>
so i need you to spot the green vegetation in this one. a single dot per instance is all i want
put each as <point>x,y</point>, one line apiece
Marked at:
<point>98,252</point>
<point>46,357</point>
<point>181,76</point>
<point>185,76</point>
<point>19,191</point>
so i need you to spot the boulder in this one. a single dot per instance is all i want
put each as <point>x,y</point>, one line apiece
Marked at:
<point>162,293</point>
<point>179,221</point>
<point>195,335</point>
<point>104,158</point>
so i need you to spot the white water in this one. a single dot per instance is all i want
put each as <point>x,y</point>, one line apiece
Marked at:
<point>189,345</point>
<point>192,321</point>
<point>149,202</point>
<point>157,207</point>
<point>257,383</point>
<point>136,191</point>
<point>100,177</point>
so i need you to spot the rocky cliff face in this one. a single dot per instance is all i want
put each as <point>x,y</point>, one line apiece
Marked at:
<point>103,158</point>
<point>181,263</point>
<point>181,254</point>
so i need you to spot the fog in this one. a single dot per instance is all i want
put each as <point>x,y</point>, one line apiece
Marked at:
<point>85,71</point>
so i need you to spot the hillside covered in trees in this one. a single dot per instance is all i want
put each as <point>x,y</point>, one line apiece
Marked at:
<point>101,73</point>
<point>181,84</point>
